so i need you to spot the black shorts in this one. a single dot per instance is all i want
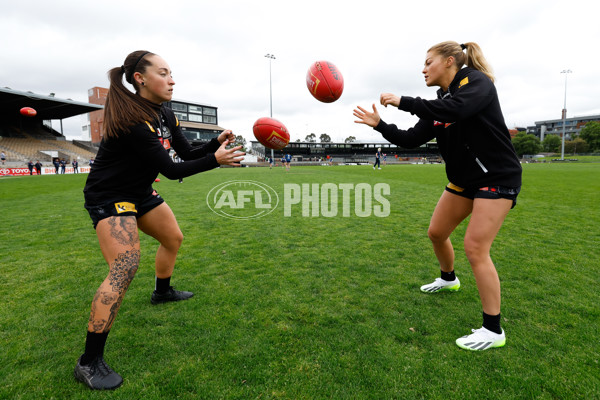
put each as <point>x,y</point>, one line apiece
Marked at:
<point>487,192</point>
<point>123,207</point>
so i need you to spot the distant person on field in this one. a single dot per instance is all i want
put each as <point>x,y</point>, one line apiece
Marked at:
<point>137,134</point>
<point>56,165</point>
<point>3,157</point>
<point>377,163</point>
<point>75,165</point>
<point>30,166</point>
<point>38,167</point>
<point>482,167</point>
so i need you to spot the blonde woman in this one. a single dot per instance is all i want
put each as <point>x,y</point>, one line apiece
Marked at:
<point>482,168</point>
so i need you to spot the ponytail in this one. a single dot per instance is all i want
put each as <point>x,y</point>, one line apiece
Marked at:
<point>123,108</point>
<point>473,57</point>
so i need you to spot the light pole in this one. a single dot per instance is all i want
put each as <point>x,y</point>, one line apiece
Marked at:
<point>271,57</point>
<point>564,114</point>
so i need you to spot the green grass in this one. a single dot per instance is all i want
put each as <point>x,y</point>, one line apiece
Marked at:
<point>307,307</point>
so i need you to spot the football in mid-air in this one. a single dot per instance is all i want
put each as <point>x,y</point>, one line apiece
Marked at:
<point>271,133</point>
<point>324,81</point>
<point>28,112</point>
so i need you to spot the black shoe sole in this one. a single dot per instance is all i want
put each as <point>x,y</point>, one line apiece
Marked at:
<point>169,300</point>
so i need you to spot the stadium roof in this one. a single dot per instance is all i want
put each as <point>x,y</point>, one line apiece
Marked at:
<point>47,107</point>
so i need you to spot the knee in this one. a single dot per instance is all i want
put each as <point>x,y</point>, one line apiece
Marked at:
<point>475,251</point>
<point>174,240</point>
<point>123,270</point>
<point>178,239</point>
<point>436,235</point>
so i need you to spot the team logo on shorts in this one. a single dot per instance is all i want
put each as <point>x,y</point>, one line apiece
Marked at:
<point>125,207</point>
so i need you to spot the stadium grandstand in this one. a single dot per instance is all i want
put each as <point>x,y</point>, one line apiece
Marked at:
<point>350,153</point>
<point>25,138</point>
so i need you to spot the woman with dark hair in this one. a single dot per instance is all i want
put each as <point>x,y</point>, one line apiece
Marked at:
<point>482,167</point>
<point>137,135</point>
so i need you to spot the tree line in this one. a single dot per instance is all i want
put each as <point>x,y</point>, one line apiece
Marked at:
<point>325,138</point>
<point>588,141</point>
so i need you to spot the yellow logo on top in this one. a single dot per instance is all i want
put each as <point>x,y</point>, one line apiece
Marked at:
<point>125,207</point>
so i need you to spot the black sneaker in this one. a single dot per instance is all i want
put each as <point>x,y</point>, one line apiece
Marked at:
<point>170,295</point>
<point>97,375</point>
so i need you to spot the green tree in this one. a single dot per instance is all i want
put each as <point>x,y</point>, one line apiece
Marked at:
<point>325,138</point>
<point>526,144</point>
<point>311,138</point>
<point>240,141</point>
<point>350,139</point>
<point>577,145</point>
<point>591,134</point>
<point>551,143</point>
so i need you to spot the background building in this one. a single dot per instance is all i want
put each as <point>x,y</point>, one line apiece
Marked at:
<point>199,122</point>
<point>93,129</point>
<point>356,152</point>
<point>555,127</point>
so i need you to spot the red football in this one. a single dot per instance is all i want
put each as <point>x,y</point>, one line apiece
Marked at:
<point>324,81</point>
<point>28,112</point>
<point>271,133</point>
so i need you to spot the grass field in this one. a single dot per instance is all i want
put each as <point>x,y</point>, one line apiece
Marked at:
<point>307,307</point>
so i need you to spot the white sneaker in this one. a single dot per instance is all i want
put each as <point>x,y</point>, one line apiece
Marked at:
<point>481,339</point>
<point>439,284</point>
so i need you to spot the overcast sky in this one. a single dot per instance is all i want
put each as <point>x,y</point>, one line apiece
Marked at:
<point>216,50</point>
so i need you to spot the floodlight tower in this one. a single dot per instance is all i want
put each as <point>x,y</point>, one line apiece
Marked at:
<point>271,57</point>
<point>564,114</point>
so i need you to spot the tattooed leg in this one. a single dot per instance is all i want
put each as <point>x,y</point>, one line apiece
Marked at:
<point>119,242</point>
<point>124,230</point>
<point>123,270</point>
<point>109,296</point>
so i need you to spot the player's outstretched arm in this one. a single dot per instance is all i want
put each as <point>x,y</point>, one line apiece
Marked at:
<point>389,99</point>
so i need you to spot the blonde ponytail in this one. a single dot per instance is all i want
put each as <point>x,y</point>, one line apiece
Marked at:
<point>473,57</point>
